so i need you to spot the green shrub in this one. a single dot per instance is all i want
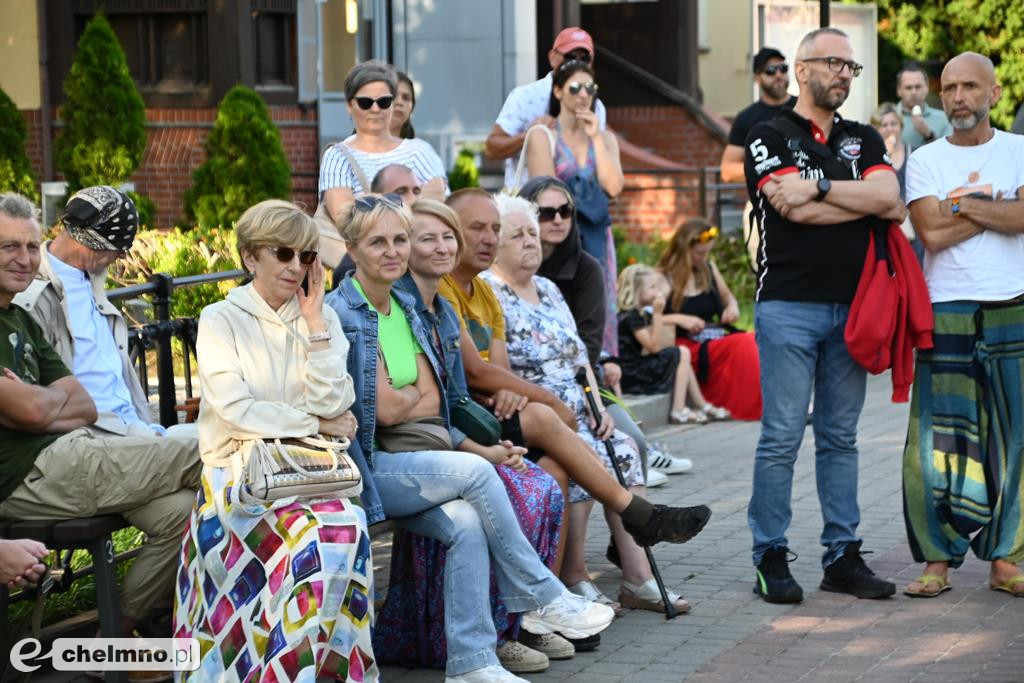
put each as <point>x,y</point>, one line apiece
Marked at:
<point>104,134</point>
<point>178,253</point>
<point>15,170</point>
<point>245,163</point>
<point>464,173</point>
<point>628,252</point>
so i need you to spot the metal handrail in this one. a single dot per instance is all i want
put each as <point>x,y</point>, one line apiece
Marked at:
<point>161,287</point>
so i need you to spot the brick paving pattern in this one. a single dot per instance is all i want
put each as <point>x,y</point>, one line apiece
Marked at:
<point>969,633</point>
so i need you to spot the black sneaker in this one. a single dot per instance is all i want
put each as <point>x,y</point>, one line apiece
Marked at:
<point>585,644</point>
<point>774,582</point>
<point>612,554</point>
<point>850,575</point>
<point>670,524</point>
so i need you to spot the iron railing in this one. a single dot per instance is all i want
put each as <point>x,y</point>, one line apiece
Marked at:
<point>160,333</point>
<point>712,193</point>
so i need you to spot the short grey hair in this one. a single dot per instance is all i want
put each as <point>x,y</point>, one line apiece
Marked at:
<point>807,42</point>
<point>370,71</point>
<point>511,205</point>
<point>14,205</point>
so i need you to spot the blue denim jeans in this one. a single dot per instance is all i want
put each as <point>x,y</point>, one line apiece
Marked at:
<point>458,499</point>
<point>802,347</point>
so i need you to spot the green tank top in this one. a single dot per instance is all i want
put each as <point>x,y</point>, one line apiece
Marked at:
<point>397,343</point>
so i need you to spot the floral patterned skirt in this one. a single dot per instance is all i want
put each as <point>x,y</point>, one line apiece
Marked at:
<point>276,592</point>
<point>410,625</point>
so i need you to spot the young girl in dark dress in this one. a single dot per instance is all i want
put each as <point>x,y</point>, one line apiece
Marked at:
<point>652,364</point>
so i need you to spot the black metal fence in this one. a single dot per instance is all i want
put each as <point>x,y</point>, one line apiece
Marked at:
<point>714,197</point>
<point>160,333</point>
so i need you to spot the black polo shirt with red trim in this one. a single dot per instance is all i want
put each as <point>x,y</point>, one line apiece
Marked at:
<point>797,261</point>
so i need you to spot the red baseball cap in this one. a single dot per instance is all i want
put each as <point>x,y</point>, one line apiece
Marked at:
<point>573,38</point>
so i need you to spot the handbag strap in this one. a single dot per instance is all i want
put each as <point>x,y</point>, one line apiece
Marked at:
<point>521,165</point>
<point>328,446</point>
<point>360,174</point>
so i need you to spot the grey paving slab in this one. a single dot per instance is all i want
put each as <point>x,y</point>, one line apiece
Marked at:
<point>969,633</point>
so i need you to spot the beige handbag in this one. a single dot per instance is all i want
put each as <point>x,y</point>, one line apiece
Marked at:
<point>307,467</point>
<point>332,247</point>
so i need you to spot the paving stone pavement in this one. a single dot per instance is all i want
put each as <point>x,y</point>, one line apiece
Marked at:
<point>969,633</point>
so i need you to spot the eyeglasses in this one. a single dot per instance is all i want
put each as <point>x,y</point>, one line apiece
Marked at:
<point>547,213</point>
<point>382,102</point>
<point>836,64</point>
<point>286,254</point>
<point>776,69</point>
<point>578,55</point>
<point>707,235</point>
<point>575,87</point>
<point>368,202</point>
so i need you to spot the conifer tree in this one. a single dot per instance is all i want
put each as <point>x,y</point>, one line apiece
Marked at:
<point>15,170</point>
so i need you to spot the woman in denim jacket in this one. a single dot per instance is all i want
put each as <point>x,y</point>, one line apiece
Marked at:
<point>454,497</point>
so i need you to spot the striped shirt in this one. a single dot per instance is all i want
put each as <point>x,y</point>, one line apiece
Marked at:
<point>416,155</point>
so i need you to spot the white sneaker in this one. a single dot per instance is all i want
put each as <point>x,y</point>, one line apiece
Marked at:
<point>658,459</point>
<point>488,674</point>
<point>522,659</point>
<point>570,615</point>
<point>655,478</point>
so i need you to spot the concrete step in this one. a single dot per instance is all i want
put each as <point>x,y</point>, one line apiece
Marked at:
<point>652,411</point>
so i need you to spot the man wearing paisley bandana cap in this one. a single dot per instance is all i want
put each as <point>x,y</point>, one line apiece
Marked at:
<point>68,301</point>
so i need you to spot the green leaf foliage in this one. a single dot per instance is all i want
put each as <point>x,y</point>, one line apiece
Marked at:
<point>245,162</point>
<point>937,30</point>
<point>104,133</point>
<point>15,169</point>
<point>464,173</point>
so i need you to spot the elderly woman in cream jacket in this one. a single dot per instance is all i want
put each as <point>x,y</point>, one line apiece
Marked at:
<point>276,589</point>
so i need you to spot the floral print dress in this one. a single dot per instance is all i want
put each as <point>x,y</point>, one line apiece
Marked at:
<point>544,348</point>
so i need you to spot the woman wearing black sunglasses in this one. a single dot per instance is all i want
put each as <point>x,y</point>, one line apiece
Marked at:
<point>348,167</point>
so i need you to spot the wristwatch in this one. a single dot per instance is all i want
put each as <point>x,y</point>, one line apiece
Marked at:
<point>954,206</point>
<point>824,185</point>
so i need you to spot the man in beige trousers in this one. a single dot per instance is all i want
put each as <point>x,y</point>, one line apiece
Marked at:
<point>52,466</point>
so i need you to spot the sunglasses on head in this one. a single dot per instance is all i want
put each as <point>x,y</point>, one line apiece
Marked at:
<point>286,254</point>
<point>708,235</point>
<point>575,87</point>
<point>382,102</point>
<point>775,69</point>
<point>369,202</point>
<point>547,213</point>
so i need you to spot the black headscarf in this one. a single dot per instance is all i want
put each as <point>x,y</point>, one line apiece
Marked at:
<point>564,261</point>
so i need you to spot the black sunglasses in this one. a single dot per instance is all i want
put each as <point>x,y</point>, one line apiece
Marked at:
<point>286,254</point>
<point>775,69</point>
<point>382,102</point>
<point>547,213</point>
<point>579,55</point>
<point>575,87</point>
<point>368,202</point>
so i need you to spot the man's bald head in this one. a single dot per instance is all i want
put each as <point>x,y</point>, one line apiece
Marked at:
<point>397,179</point>
<point>969,90</point>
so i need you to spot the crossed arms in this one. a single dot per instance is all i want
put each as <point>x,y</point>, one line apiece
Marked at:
<point>60,407</point>
<point>940,228</point>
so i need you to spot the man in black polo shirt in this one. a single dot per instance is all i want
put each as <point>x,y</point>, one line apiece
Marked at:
<point>817,182</point>
<point>771,73</point>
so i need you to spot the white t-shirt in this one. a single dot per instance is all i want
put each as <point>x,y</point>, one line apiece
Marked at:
<point>522,106</point>
<point>416,155</point>
<point>989,266</point>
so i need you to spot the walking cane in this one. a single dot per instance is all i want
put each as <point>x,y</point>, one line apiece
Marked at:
<point>581,378</point>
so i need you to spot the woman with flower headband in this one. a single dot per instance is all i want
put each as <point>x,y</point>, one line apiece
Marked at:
<point>700,310</point>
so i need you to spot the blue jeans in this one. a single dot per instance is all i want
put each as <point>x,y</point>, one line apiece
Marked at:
<point>801,346</point>
<point>458,499</point>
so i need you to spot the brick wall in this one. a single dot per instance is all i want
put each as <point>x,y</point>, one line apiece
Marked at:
<point>175,149</point>
<point>653,201</point>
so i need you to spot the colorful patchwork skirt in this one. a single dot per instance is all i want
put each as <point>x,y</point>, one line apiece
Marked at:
<point>963,465</point>
<point>277,592</point>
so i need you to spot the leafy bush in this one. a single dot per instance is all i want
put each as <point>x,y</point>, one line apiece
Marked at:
<point>245,162</point>
<point>203,250</point>
<point>104,134</point>
<point>464,173</point>
<point>628,252</point>
<point>15,170</point>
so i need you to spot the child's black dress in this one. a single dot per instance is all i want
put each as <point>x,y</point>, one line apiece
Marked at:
<point>643,374</point>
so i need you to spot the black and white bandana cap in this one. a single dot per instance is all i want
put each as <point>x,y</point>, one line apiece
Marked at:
<point>102,218</point>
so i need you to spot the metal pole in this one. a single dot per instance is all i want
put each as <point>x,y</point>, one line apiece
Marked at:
<point>164,358</point>
<point>702,191</point>
<point>823,13</point>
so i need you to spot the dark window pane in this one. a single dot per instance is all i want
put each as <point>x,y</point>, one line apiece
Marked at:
<point>273,48</point>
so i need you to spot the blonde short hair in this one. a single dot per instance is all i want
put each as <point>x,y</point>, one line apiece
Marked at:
<point>442,212</point>
<point>366,211</point>
<point>883,109</point>
<point>275,222</point>
<point>510,205</point>
<point>631,281</point>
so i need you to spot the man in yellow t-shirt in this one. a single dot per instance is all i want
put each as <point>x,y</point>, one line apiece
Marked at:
<point>479,312</point>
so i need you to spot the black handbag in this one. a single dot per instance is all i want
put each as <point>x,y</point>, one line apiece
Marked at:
<point>476,422</point>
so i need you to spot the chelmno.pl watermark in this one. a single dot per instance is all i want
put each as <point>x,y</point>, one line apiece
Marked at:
<point>109,654</point>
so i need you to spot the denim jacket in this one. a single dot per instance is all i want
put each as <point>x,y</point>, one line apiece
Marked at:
<point>359,322</point>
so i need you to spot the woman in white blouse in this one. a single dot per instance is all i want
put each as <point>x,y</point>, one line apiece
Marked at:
<point>279,589</point>
<point>348,167</point>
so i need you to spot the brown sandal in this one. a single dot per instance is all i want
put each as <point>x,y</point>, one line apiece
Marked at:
<point>647,596</point>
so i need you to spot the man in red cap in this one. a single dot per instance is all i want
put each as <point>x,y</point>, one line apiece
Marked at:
<point>527,106</point>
